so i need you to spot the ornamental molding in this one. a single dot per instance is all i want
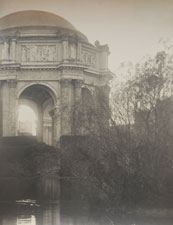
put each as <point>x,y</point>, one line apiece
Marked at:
<point>9,67</point>
<point>78,83</point>
<point>65,82</point>
<point>12,83</point>
<point>63,69</point>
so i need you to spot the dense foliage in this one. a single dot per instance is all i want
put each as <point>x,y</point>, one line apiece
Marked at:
<point>128,164</point>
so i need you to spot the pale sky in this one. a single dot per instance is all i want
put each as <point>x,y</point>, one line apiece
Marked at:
<point>131,28</point>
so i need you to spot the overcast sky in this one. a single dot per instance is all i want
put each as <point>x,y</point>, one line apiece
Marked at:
<point>131,28</point>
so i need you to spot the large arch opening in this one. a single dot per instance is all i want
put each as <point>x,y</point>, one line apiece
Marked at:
<point>34,107</point>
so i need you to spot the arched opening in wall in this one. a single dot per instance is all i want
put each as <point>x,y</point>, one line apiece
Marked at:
<point>34,107</point>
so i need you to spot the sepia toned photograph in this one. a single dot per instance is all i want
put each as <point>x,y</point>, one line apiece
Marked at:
<point>86,112</point>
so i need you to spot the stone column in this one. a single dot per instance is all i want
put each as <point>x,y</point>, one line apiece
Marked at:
<point>47,132</point>
<point>66,107</point>
<point>55,114</point>
<point>9,113</point>
<point>40,124</point>
<point>78,89</point>
<point>77,106</point>
<point>12,112</point>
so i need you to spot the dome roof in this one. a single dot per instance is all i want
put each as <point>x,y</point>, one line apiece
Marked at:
<point>34,18</point>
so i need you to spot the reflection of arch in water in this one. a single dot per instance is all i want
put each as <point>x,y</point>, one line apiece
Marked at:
<point>41,99</point>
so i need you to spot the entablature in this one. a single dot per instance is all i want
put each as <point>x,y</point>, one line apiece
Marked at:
<point>47,51</point>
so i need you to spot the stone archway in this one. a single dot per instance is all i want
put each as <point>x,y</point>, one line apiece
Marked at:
<point>40,99</point>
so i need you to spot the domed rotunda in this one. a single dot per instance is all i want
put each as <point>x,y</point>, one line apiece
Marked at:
<point>46,64</point>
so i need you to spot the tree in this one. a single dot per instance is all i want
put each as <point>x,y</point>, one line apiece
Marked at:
<point>128,162</point>
<point>144,105</point>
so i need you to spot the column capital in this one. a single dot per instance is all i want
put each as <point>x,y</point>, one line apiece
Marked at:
<point>78,83</point>
<point>65,82</point>
<point>12,83</point>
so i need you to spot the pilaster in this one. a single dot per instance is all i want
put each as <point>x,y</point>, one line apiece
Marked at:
<point>40,124</point>
<point>78,89</point>
<point>12,112</point>
<point>13,50</point>
<point>79,52</point>
<point>77,105</point>
<point>56,129</point>
<point>66,106</point>
<point>65,52</point>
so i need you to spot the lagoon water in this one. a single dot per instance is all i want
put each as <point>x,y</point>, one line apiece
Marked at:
<point>29,212</point>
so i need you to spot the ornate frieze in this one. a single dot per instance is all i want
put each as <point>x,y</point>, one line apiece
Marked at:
<point>72,71</point>
<point>38,53</point>
<point>8,74</point>
<point>88,59</point>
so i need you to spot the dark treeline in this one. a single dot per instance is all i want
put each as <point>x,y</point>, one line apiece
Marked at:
<point>127,164</point>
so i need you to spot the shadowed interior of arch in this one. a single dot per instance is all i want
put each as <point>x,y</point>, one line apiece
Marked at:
<point>27,121</point>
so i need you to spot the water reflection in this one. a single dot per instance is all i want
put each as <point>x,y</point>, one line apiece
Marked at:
<point>28,212</point>
<point>25,211</point>
<point>25,175</point>
<point>26,220</point>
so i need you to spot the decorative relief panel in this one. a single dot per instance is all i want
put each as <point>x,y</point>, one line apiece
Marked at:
<point>38,53</point>
<point>88,59</point>
<point>4,51</point>
<point>72,51</point>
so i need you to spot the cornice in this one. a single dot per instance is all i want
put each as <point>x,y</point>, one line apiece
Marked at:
<point>9,66</point>
<point>45,32</point>
<point>63,68</point>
